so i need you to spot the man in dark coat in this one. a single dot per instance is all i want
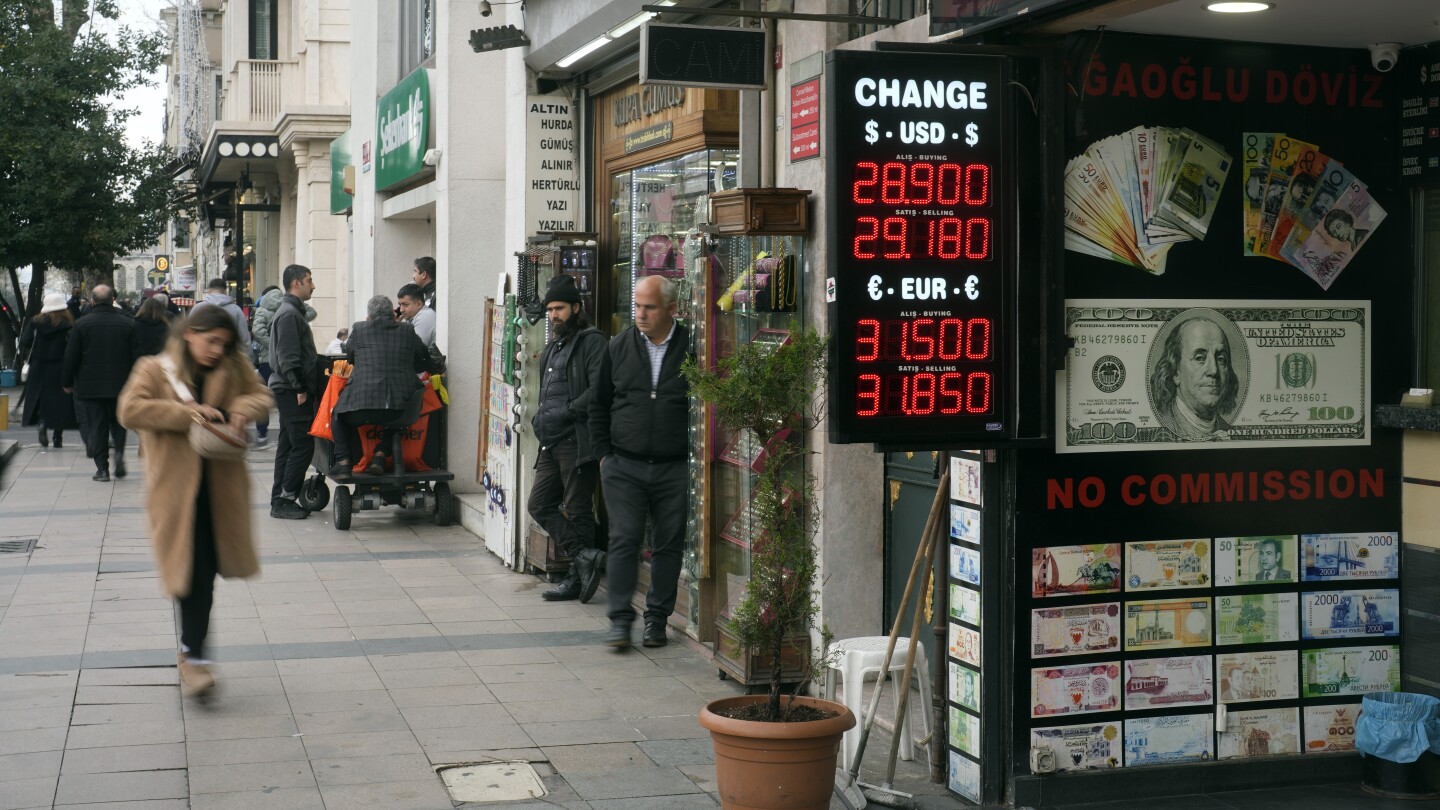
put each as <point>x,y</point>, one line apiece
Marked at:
<point>565,468</point>
<point>103,346</point>
<point>295,379</point>
<point>388,358</point>
<point>74,303</point>
<point>639,426</point>
<point>424,278</point>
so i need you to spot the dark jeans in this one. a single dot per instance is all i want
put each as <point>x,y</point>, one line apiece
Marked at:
<point>195,606</point>
<point>296,446</point>
<point>101,429</point>
<point>634,490</point>
<point>262,427</point>
<point>343,426</point>
<point>562,497</point>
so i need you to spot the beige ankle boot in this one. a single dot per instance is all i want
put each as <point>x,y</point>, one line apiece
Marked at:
<point>195,679</point>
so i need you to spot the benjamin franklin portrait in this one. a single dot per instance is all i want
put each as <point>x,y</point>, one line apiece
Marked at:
<point>1197,382</point>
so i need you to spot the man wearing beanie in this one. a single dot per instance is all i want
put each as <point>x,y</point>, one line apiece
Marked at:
<point>561,499</point>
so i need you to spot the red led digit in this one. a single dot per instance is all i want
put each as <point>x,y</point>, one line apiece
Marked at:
<point>873,224</point>
<point>977,184</point>
<point>892,336</point>
<point>870,341</point>
<point>921,344</point>
<point>948,173</point>
<point>977,238</point>
<point>892,183</point>
<point>977,339</point>
<point>922,182</point>
<point>922,395</point>
<point>950,330</point>
<point>865,184</point>
<point>951,388</point>
<point>896,231</point>
<point>867,395</point>
<point>977,388</point>
<point>949,242</point>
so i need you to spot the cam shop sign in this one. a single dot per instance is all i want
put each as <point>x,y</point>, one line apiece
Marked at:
<point>402,124</point>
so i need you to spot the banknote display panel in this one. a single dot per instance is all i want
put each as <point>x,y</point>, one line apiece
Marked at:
<point>1166,564</point>
<point>964,731</point>
<point>1255,618</point>
<point>1077,630</point>
<point>964,776</point>
<point>1088,746</point>
<point>1162,624</point>
<point>1246,677</point>
<point>964,686</point>
<point>964,604</point>
<point>1253,374</point>
<point>1255,560</point>
<point>1351,614</point>
<point>1366,555</point>
<point>1331,728</point>
<point>1162,683</point>
<point>1346,671</point>
<point>1070,570</point>
<point>1056,691</point>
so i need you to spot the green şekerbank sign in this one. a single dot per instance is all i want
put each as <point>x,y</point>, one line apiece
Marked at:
<point>402,126</point>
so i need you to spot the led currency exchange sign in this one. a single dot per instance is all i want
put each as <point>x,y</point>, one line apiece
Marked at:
<point>920,269</point>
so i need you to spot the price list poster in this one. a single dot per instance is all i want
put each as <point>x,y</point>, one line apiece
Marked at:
<point>1208,556</point>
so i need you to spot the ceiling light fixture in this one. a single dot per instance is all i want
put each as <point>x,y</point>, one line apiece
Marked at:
<point>584,51</point>
<point>638,20</point>
<point>1239,8</point>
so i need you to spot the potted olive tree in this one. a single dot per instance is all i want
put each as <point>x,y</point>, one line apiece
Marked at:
<point>775,750</point>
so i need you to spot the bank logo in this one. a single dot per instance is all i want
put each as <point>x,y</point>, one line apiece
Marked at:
<point>1108,374</point>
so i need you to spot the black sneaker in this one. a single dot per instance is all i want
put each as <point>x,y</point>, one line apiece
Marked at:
<point>618,636</point>
<point>655,634</point>
<point>119,467</point>
<point>589,562</point>
<point>101,475</point>
<point>286,509</point>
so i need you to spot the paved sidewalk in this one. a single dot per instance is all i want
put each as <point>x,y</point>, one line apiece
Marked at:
<point>349,669</point>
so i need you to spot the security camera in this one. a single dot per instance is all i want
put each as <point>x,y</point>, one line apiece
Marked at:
<point>1384,55</point>
<point>484,8</point>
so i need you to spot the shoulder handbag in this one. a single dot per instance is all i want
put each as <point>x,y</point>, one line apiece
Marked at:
<point>211,440</point>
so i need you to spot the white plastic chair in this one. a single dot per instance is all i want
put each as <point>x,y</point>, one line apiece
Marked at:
<point>854,659</point>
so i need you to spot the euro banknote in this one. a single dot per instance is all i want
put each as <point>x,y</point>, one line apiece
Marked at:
<point>1083,689</point>
<point>1067,570</point>
<point>1331,728</point>
<point>1365,555</point>
<point>1075,630</point>
<point>1087,746</point>
<point>1255,618</point>
<point>1252,676</point>
<point>1260,733</point>
<point>1168,740</point>
<point>1152,565</point>
<point>1272,375</point>
<point>1255,559</point>
<point>1162,683</point>
<point>1338,671</point>
<point>1350,614</point>
<point>1165,623</point>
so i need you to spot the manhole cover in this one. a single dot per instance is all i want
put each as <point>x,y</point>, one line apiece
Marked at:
<point>17,546</point>
<point>492,782</point>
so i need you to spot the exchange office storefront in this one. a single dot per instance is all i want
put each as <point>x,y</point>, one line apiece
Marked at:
<point>1201,567</point>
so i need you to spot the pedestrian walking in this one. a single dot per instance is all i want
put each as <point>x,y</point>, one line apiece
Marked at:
<point>154,324</point>
<point>104,345</point>
<point>562,497</point>
<point>216,296</point>
<point>260,321</point>
<point>639,426</point>
<point>198,508</point>
<point>43,341</point>
<point>295,380</point>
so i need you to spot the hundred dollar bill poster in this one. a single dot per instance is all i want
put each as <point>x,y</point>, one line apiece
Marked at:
<point>1184,375</point>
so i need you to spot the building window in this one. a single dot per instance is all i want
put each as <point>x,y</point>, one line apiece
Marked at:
<point>417,33</point>
<point>182,235</point>
<point>263,30</point>
<point>883,9</point>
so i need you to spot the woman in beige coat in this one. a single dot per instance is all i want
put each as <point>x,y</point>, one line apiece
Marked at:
<point>199,509</point>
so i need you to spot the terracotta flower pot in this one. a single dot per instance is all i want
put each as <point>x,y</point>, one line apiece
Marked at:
<point>775,766</point>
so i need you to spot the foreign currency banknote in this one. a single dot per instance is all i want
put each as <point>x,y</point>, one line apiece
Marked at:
<point>965,479</point>
<point>1255,160</point>
<point>1088,746</point>
<point>1168,740</point>
<point>964,604</point>
<point>1255,618</point>
<point>1165,623</point>
<point>1304,179</point>
<point>1246,677</point>
<point>1331,728</point>
<point>964,524</point>
<point>1074,630</point>
<point>1066,570</point>
<point>964,644</point>
<point>1366,555</point>
<point>1284,155</point>
<point>1152,565</point>
<point>1074,690</point>
<point>964,731</point>
<point>1334,180</point>
<point>1339,235</point>
<point>965,564</point>
<point>964,686</point>
<point>1285,375</point>
<point>964,776</point>
<point>1337,671</point>
<point>1162,683</point>
<point>1260,733</point>
<point>1258,558</point>
<point>1351,614</point>
<point>1189,199</point>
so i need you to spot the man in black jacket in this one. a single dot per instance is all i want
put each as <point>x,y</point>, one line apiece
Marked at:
<point>424,277</point>
<point>565,469</point>
<point>295,379</point>
<point>103,346</point>
<point>639,427</point>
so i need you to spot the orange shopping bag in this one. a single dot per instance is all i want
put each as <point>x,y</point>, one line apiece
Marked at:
<point>321,428</point>
<point>412,441</point>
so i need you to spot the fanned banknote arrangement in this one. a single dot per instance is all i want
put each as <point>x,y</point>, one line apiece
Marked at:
<point>1130,197</point>
<point>1303,206</point>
